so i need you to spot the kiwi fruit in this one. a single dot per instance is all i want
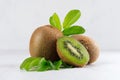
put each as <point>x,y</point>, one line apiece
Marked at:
<point>90,45</point>
<point>72,52</point>
<point>43,42</point>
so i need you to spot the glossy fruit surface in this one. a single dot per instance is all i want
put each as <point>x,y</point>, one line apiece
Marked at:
<point>43,42</point>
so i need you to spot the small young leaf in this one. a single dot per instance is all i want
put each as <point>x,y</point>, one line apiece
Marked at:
<point>57,64</point>
<point>43,65</point>
<point>51,65</point>
<point>64,65</point>
<point>26,62</point>
<point>71,17</point>
<point>74,30</point>
<point>34,63</point>
<point>55,21</point>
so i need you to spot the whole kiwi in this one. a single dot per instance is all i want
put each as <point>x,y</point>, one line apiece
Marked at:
<point>90,45</point>
<point>43,42</point>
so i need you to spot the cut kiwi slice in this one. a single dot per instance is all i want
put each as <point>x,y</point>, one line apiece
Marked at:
<point>72,52</point>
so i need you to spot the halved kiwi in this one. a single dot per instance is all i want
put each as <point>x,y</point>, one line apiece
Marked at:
<point>90,45</point>
<point>43,42</point>
<point>72,52</point>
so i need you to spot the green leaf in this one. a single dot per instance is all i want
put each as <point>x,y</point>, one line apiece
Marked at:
<point>74,30</point>
<point>57,64</point>
<point>26,62</point>
<point>34,64</point>
<point>55,21</point>
<point>71,17</point>
<point>51,65</point>
<point>43,65</point>
<point>64,65</point>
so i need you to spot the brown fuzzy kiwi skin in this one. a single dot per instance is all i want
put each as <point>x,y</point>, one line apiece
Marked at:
<point>64,59</point>
<point>43,42</point>
<point>90,45</point>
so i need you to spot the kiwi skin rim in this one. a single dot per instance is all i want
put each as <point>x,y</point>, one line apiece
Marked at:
<point>43,42</point>
<point>65,59</point>
<point>90,45</point>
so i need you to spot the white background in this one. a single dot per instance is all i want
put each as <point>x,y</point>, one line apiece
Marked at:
<point>19,18</point>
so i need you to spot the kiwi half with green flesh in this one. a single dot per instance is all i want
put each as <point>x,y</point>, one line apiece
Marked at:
<point>72,52</point>
<point>43,42</point>
<point>90,45</point>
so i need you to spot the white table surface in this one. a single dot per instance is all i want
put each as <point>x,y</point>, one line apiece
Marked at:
<point>107,67</point>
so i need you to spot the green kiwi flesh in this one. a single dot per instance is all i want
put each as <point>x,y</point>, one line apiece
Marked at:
<point>72,52</point>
